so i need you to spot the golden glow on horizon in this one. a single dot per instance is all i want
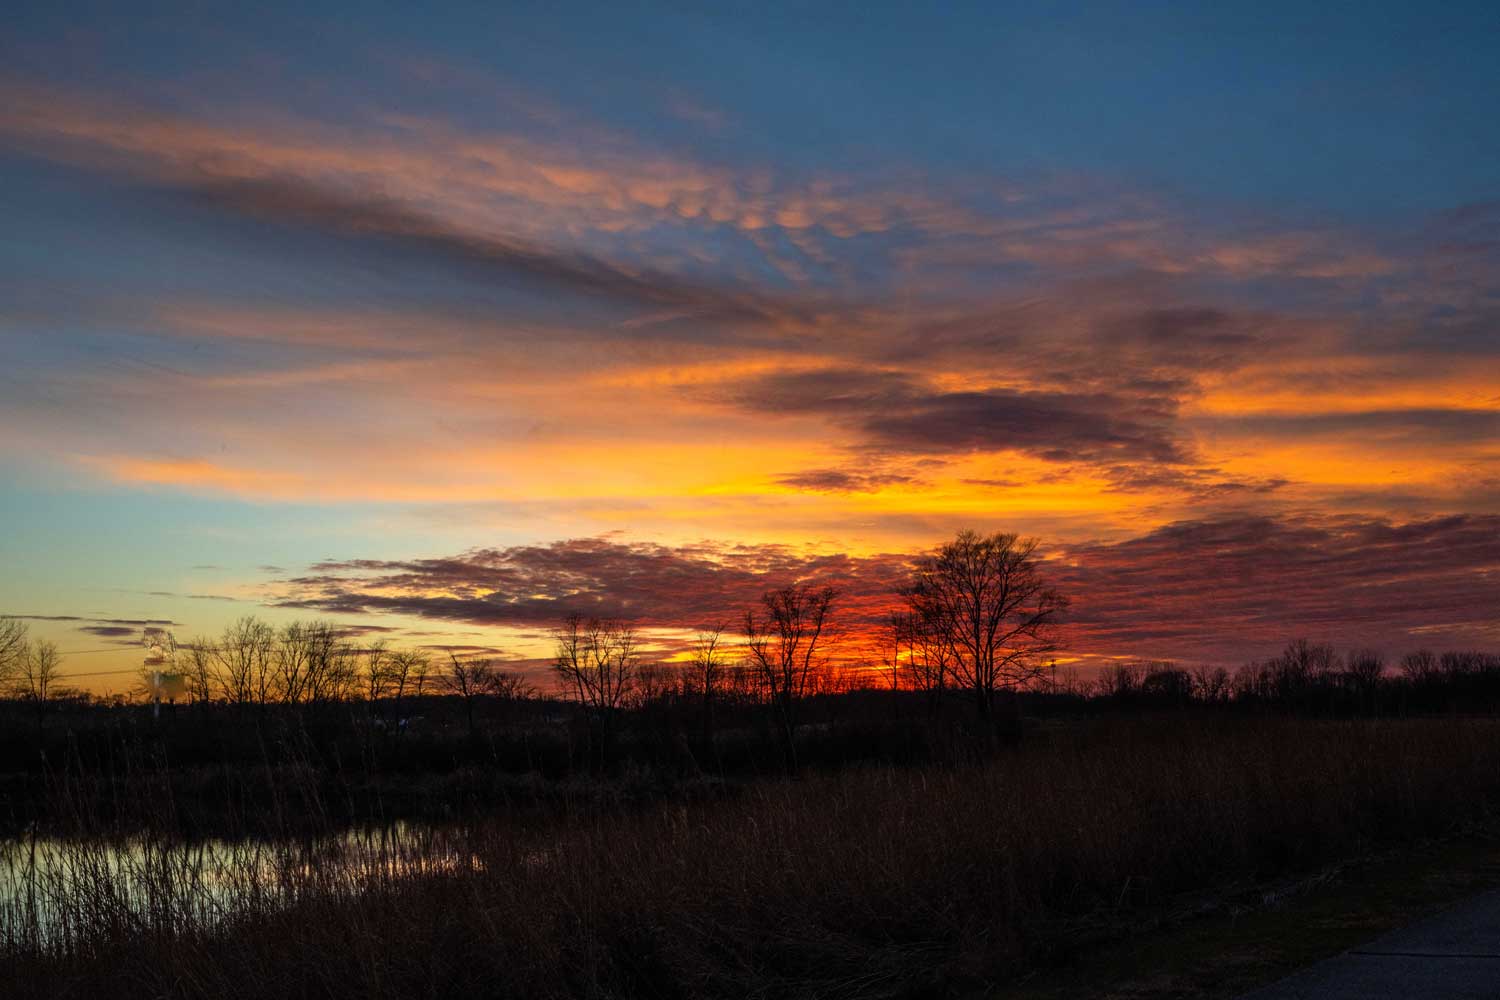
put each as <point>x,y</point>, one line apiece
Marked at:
<point>537,334</point>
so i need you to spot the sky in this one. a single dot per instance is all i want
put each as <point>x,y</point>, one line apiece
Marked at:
<point>442,322</point>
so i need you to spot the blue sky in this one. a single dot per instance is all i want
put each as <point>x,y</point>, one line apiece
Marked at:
<point>1352,108</point>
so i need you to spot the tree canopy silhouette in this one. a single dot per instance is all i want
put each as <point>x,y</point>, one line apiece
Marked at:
<point>985,600</point>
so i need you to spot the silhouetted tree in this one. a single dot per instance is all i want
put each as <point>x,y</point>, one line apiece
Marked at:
<point>1301,666</point>
<point>706,672</point>
<point>890,639</point>
<point>1211,685</point>
<point>421,673</point>
<point>199,664</point>
<point>1364,668</point>
<point>1459,664</point>
<point>783,640</point>
<point>1420,666</point>
<point>468,679</point>
<point>376,674</point>
<point>1165,684</point>
<point>313,664</point>
<point>595,662</point>
<point>406,671</point>
<point>13,644</point>
<point>246,657</point>
<point>510,688</point>
<point>926,653</point>
<point>653,683</point>
<point>291,661</point>
<point>1120,681</point>
<point>35,677</point>
<point>333,665</point>
<point>986,597</point>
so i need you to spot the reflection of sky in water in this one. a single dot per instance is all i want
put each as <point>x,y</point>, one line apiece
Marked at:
<point>53,886</point>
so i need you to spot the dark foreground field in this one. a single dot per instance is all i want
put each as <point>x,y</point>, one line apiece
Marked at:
<point>874,880</point>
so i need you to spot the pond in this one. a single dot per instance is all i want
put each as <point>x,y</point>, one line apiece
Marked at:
<point>55,889</point>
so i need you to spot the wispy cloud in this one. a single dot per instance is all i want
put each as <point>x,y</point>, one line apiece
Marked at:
<point>1215,590</point>
<point>1224,588</point>
<point>1143,357</point>
<point>537,585</point>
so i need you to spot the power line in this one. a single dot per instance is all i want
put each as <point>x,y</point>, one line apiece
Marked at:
<point>99,673</point>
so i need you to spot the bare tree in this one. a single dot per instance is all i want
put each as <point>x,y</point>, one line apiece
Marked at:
<point>246,662</point>
<point>200,669</point>
<point>783,640</point>
<point>405,670</point>
<point>1211,684</point>
<point>928,653</point>
<point>654,682</point>
<point>1121,681</point>
<point>421,673</point>
<point>1419,666</point>
<point>596,662</point>
<point>13,645</point>
<point>313,664</point>
<point>1365,668</point>
<point>1164,682</point>
<point>36,676</point>
<point>1300,666</point>
<point>742,681</point>
<point>706,670</point>
<point>468,679</point>
<point>377,673</point>
<point>290,662</point>
<point>986,597</point>
<point>333,665</point>
<point>510,688</point>
<point>891,642</point>
<point>1460,663</point>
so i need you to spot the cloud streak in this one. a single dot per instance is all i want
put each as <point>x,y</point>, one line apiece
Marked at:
<point>1234,587</point>
<point>391,228</point>
<point>891,414</point>
<point>1219,590</point>
<point>656,585</point>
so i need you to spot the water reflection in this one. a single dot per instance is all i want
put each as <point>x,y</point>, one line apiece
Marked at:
<point>54,889</point>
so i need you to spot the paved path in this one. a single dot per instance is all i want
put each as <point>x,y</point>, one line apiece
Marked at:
<point>1454,956</point>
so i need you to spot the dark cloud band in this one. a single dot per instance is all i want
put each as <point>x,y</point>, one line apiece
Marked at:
<point>1223,590</point>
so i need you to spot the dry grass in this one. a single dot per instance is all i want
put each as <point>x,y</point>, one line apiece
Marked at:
<point>877,882</point>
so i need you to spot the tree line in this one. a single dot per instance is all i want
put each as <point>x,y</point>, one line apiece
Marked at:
<point>975,620</point>
<point>1308,675</point>
<point>978,607</point>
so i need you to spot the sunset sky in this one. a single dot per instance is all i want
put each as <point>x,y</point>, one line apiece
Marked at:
<point>443,326</point>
